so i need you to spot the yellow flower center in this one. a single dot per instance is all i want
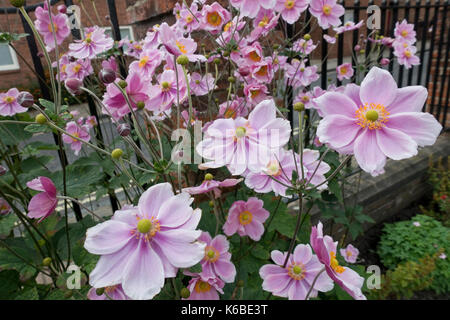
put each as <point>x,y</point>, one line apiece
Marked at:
<point>343,70</point>
<point>373,116</point>
<point>245,217</point>
<point>76,68</point>
<point>111,289</point>
<point>408,54</point>
<point>349,253</point>
<point>202,286</point>
<point>214,19</point>
<point>254,93</point>
<point>138,47</point>
<point>289,4</point>
<point>404,33</point>
<point>211,254</point>
<point>181,47</point>
<point>254,56</point>
<point>262,71</point>
<point>189,18</point>
<point>88,38</point>
<point>76,134</point>
<point>165,86</point>
<point>297,271</point>
<point>326,10</point>
<point>305,98</point>
<point>264,21</point>
<point>146,228</point>
<point>228,26</point>
<point>230,113</point>
<point>335,264</point>
<point>143,62</point>
<point>273,168</point>
<point>50,29</point>
<point>240,132</point>
<point>9,99</point>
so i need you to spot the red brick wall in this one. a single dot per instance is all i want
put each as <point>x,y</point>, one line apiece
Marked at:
<point>25,78</point>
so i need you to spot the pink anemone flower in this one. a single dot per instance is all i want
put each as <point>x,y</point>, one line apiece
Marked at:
<point>344,71</point>
<point>348,26</point>
<point>404,32</point>
<point>141,246</point>
<point>214,17</point>
<point>249,8</point>
<point>201,85</point>
<point>79,131</point>
<point>350,253</point>
<point>110,293</point>
<point>115,102</point>
<point>406,54</point>
<point>295,280</point>
<point>5,208</point>
<point>327,12</point>
<point>43,204</point>
<point>9,104</point>
<point>204,288</point>
<point>377,121</point>
<point>256,93</point>
<point>176,44</point>
<point>217,261</point>
<point>44,26</point>
<point>94,43</point>
<point>242,144</point>
<point>164,94</point>
<point>291,9</point>
<point>148,61</point>
<point>246,218</point>
<point>326,250</point>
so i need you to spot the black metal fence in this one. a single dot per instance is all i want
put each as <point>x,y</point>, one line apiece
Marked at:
<point>429,17</point>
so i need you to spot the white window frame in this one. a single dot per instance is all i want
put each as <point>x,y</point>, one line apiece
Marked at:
<point>15,65</point>
<point>130,28</point>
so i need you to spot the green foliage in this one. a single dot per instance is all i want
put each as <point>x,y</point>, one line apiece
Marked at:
<point>403,242</point>
<point>407,278</point>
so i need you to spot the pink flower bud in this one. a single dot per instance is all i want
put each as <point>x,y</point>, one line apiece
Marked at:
<point>123,129</point>
<point>107,76</point>
<point>73,85</point>
<point>357,48</point>
<point>384,61</point>
<point>2,171</point>
<point>25,99</point>
<point>62,9</point>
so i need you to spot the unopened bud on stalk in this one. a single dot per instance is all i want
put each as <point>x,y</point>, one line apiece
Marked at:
<point>41,119</point>
<point>231,79</point>
<point>73,85</point>
<point>140,105</point>
<point>217,61</point>
<point>357,47</point>
<point>100,291</point>
<point>2,171</point>
<point>124,129</point>
<point>17,3</point>
<point>307,37</point>
<point>25,99</point>
<point>299,107</point>
<point>47,261</point>
<point>107,76</point>
<point>40,54</point>
<point>384,61</point>
<point>209,177</point>
<point>240,283</point>
<point>185,293</point>
<point>116,154</point>
<point>62,8</point>
<point>123,84</point>
<point>183,60</point>
<point>211,204</point>
<point>362,51</point>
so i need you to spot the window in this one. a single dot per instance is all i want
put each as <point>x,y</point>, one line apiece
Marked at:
<point>8,58</point>
<point>125,31</point>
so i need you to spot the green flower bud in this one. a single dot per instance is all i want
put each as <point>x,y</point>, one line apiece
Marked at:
<point>217,61</point>
<point>116,154</point>
<point>209,177</point>
<point>17,3</point>
<point>47,261</point>
<point>231,79</point>
<point>299,107</point>
<point>140,105</point>
<point>185,293</point>
<point>182,60</point>
<point>307,37</point>
<point>100,291</point>
<point>41,119</point>
<point>123,84</point>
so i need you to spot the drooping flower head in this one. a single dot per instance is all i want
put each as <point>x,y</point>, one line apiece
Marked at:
<point>246,218</point>
<point>210,185</point>
<point>217,261</point>
<point>326,250</point>
<point>376,121</point>
<point>5,208</point>
<point>141,246</point>
<point>44,26</point>
<point>43,204</point>
<point>295,280</point>
<point>204,288</point>
<point>148,61</point>
<point>348,26</point>
<point>110,293</point>
<point>404,32</point>
<point>177,45</point>
<point>9,104</point>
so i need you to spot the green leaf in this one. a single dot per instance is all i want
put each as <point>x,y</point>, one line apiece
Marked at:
<point>196,269</point>
<point>37,128</point>
<point>9,283</point>
<point>13,134</point>
<point>10,261</point>
<point>29,294</point>
<point>48,105</point>
<point>260,252</point>
<point>7,224</point>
